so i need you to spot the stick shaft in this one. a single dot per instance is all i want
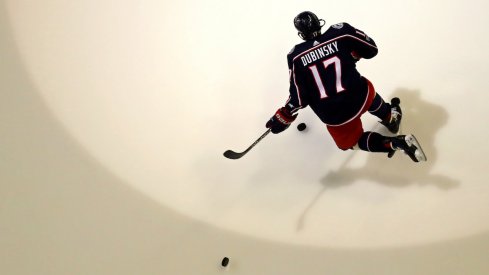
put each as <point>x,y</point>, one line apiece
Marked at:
<point>234,155</point>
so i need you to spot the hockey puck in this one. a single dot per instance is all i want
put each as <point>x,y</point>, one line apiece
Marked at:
<point>225,261</point>
<point>301,127</point>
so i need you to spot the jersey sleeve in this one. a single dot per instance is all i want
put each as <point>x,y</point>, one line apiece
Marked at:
<point>360,42</point>
<point>296,101</point>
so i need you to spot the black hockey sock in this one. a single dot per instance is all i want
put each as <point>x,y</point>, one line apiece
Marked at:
<point>374,142</point>
<point>379,108</point>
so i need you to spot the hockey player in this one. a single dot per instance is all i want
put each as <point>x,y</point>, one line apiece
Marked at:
<point>323,75</point>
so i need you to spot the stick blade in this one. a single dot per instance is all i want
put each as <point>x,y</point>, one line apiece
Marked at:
<point>232,155</point>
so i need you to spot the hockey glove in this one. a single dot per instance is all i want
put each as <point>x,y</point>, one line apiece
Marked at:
<point>280,121</point>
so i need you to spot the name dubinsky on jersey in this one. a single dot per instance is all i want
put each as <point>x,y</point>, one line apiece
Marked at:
<point>323,74</point>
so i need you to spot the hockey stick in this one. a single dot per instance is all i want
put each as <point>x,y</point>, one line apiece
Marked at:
<point>230,154</point>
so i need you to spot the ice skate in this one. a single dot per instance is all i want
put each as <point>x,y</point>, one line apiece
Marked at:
<point>410,145</point>
<point>394,122</point>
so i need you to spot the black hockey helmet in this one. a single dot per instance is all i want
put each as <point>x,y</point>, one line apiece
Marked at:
<point>308,25</point>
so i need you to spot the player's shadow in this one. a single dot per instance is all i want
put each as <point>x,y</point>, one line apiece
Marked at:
<point>421,118</point>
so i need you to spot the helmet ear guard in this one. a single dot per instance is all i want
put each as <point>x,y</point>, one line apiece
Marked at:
<point>301,35</point>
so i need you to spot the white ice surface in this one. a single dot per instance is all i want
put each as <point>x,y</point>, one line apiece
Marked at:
<point>114,116</point>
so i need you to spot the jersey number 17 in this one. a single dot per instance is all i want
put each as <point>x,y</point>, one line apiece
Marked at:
<point>319,82</point>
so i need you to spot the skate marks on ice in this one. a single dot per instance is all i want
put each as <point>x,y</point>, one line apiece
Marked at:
<point>421,118</point>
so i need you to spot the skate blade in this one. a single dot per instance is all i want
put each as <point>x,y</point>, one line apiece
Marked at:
<point>419,153</point>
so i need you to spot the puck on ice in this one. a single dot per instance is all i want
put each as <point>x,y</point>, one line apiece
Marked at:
<point>225,261</point>
<point>301,127</point>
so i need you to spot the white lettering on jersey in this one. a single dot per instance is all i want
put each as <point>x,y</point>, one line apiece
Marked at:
<point>319,53</point>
